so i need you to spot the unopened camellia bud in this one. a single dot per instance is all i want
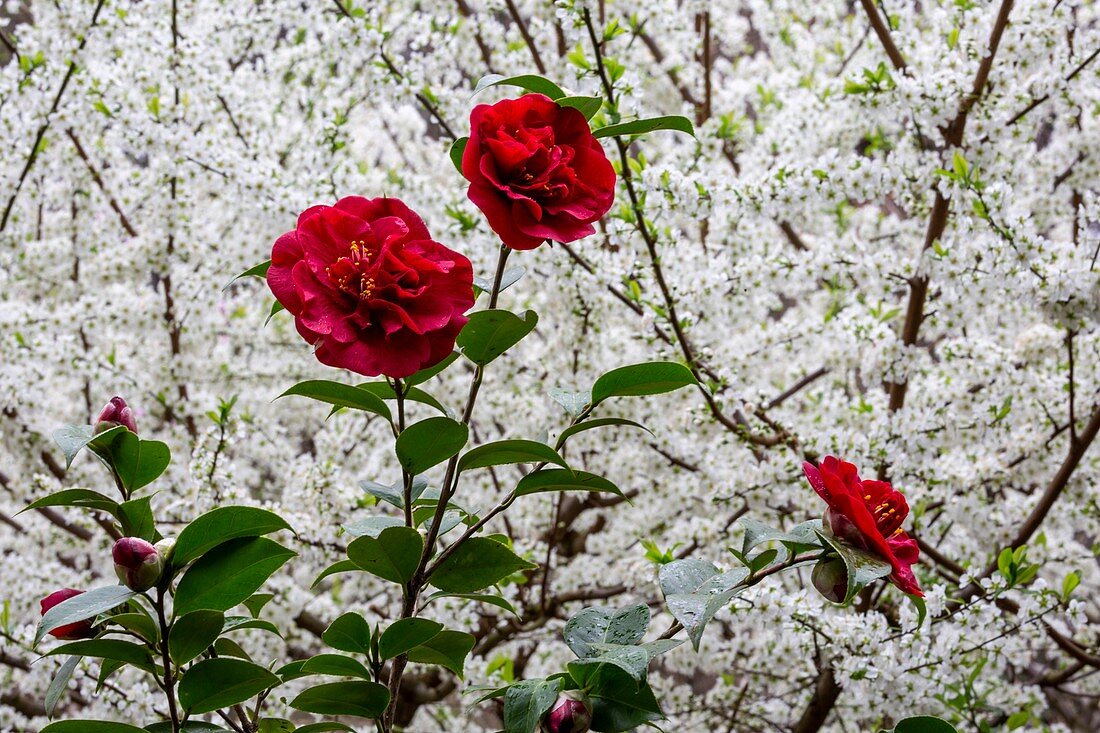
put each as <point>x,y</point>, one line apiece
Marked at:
<point>830,577</point>
<point>78,630</point>
<point>166,547</point>
<point>570,713</point>
<point>115,413</point>
<point>137,563</point>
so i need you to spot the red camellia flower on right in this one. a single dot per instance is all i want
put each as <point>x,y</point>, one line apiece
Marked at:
<point>536,171</point>
<point>867,514</point>
<point>369,287</point>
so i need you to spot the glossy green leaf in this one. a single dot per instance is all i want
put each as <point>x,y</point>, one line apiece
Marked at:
<point>71,439</point>
<point>340,395</point>
<point>620,704</point>
<point>115,649</point>
<point>219,683</point>
<point>190,726</point>
<point>348,633</point>
<point>83,498</point>
<point>325,727</point>
<point>588,106</point>
<point>601,626</point>
<point>526,702</point>
<point>447,649</point>
<point>601,422</point>
<point>363,699</point>
<point>336,665</point>
<point>60,684</point>
<point>393,555</point>
<point>458,147</point>
<point>695,590</point>
<point>504,452</point>
<point>394,493</point>
<point>588,672</point>
<point>220,580</point>
<point>492,600</point>
<point>138,462</point>
<point>574,403</point>
<point>412,394</point>
<point>637,380</point>
<point>490,333</point>
<point>923,724</point>
<point>136,518</point>
<point>428,372</point>
<point>259,270</point>
<point>404,634</point>
<point>192,633</point>
<point>341,566</point>
<point>90,726</point>
<point>84,606</point>
<point>508,278</point>
<point>221,525</point>
<point>530,82</point>
<point>240,623</point>
<point>676,123</point>
<point>430,442</point>
<point>560,479</point>
<point>139,623</point>
<point>476,564</point>
<point>371,526</point>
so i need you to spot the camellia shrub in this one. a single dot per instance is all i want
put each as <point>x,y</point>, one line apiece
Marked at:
<point>652,506</point>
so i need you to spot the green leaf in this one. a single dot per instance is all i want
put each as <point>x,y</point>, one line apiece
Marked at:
<point>81,607</point>
<point>588,672</point>
<point>574,403</point>
<point>192,633</point>
<point>340,395</point>
<point>393,555</point>
<point>526,702</point>
<point>348,633</point>
<point>503,452</point>
<point>364,699</point>
<point>372,526</point>
<point>83,498</point>
<point>71,439</point>
<point>923,724</point>
<point>139,623</point>
<point>695,590</point>
<point>136,518</point>
<point>447,649</point>
<point>337,665</point>
<point>620,704</point>
<point>342,566</point>
<point>560,479</point>
<point>403,635</point>
<point>600,626</point>
<point>413,394</point>
<point>395,493</point>
<point>190,726</point>
<point>801,536</point>
<point>276,725</point>
<point>96,726</point>
<point>60,684</point>
<point>325,727</point>
<point>601,422</point>
<point>239,623</point>
<point>649,378</point>
<point>492,600</point>
<point>862,567</point>
<point>641,127</point>
<point>588,106</point>
<point>138,462</point>
<point>114,649</point>
<point>218,581</point>
<point>427,373</point>
<point>477,563</point>
<point>490,333</point>
<point>509,278</point>
<point>219,683</point>
<point>458,147</point>
<point>221,525</point>
<point>530,82</point>
<point>259,270</point>
<point>429,442</point>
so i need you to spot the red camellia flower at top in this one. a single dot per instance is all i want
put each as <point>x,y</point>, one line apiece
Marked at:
<point>370,288</point>
<point>78,630</point>
<point>536,171</point>
<point>867,514</point>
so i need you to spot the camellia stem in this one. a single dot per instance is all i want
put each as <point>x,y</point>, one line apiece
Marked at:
<point>447,489</point>
<point>166,660</point>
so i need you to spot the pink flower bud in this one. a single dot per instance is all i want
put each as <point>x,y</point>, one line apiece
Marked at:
<point>570,713</point>
<point>137,563</point>
<point>830,577</point>
<point>115,413</point>
<point>78,630</point>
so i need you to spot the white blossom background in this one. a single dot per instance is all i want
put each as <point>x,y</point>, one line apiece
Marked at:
<point>151,150</point>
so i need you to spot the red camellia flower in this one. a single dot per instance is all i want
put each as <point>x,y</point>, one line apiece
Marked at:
<point>536,171</point>
<point>370,288</point>
<point>78,630</point>
<point>867,514</point>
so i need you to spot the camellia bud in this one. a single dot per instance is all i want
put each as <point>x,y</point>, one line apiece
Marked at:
<point>830,577</point>
<point>78,630</point>
<point>570,713</point>
<point>137,563</point>
<point>166,547</point>
<point>115,413</point>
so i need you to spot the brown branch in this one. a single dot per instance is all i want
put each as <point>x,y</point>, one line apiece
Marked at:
<point>527,39</point>
<point>112,202</point>
<point>883,32</point>
<point>1035,103</point>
